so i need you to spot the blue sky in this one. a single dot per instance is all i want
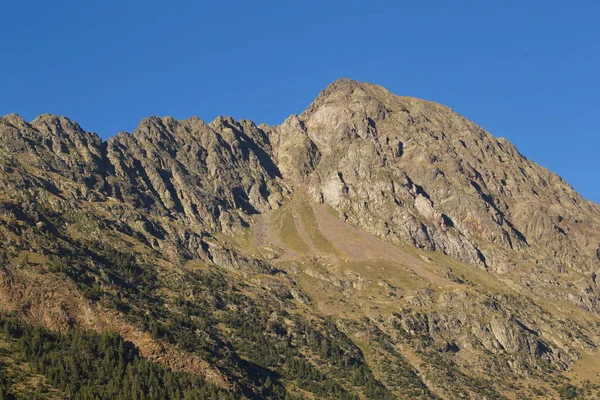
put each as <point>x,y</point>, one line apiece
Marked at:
<point>524,70</point>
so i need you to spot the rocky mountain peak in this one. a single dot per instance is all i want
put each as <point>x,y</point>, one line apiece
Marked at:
<point>404,169</point>
<point>13,119</point>
<point>59,126</point>
<point>348,87</point>
<point>410,169</point>
<point>384,245</point>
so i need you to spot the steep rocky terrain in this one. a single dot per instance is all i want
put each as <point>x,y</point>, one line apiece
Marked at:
<point>374,246</point>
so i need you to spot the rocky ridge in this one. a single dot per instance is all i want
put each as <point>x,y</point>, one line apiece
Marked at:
<point>408,171</point>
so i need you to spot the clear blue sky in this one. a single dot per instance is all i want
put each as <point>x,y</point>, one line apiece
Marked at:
<point>527,70</point>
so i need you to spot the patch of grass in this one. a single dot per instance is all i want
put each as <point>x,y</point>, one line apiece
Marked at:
<point>312,228</point>
<point>289,233</point>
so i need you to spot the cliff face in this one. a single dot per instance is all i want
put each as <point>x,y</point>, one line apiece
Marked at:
<point>206,177</point>
<point>165,166</point>
<point>297,218</point>
<point>413,170</point>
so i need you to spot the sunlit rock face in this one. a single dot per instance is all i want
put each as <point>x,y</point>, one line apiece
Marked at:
<point>387,242</point>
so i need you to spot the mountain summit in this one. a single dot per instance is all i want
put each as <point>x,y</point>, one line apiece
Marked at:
<point>373,246</point>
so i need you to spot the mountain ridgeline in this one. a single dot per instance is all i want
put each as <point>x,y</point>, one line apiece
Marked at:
<point>373,246</point>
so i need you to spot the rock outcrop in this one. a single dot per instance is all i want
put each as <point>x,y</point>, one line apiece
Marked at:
<point>413,170</point>
<point>476,260</point>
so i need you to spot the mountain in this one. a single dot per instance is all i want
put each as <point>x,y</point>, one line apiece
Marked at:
<point>372,247</point>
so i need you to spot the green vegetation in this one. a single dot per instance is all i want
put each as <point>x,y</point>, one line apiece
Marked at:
<point>267,344</point>
<point>312,227</point>
<point>88,365</point>
<point>264,359</point>
<point>272,346</point>
<point>270,354</point>
<point>289,233</point>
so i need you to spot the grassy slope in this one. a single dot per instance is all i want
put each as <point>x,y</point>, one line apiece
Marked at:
<point>350,275</point>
